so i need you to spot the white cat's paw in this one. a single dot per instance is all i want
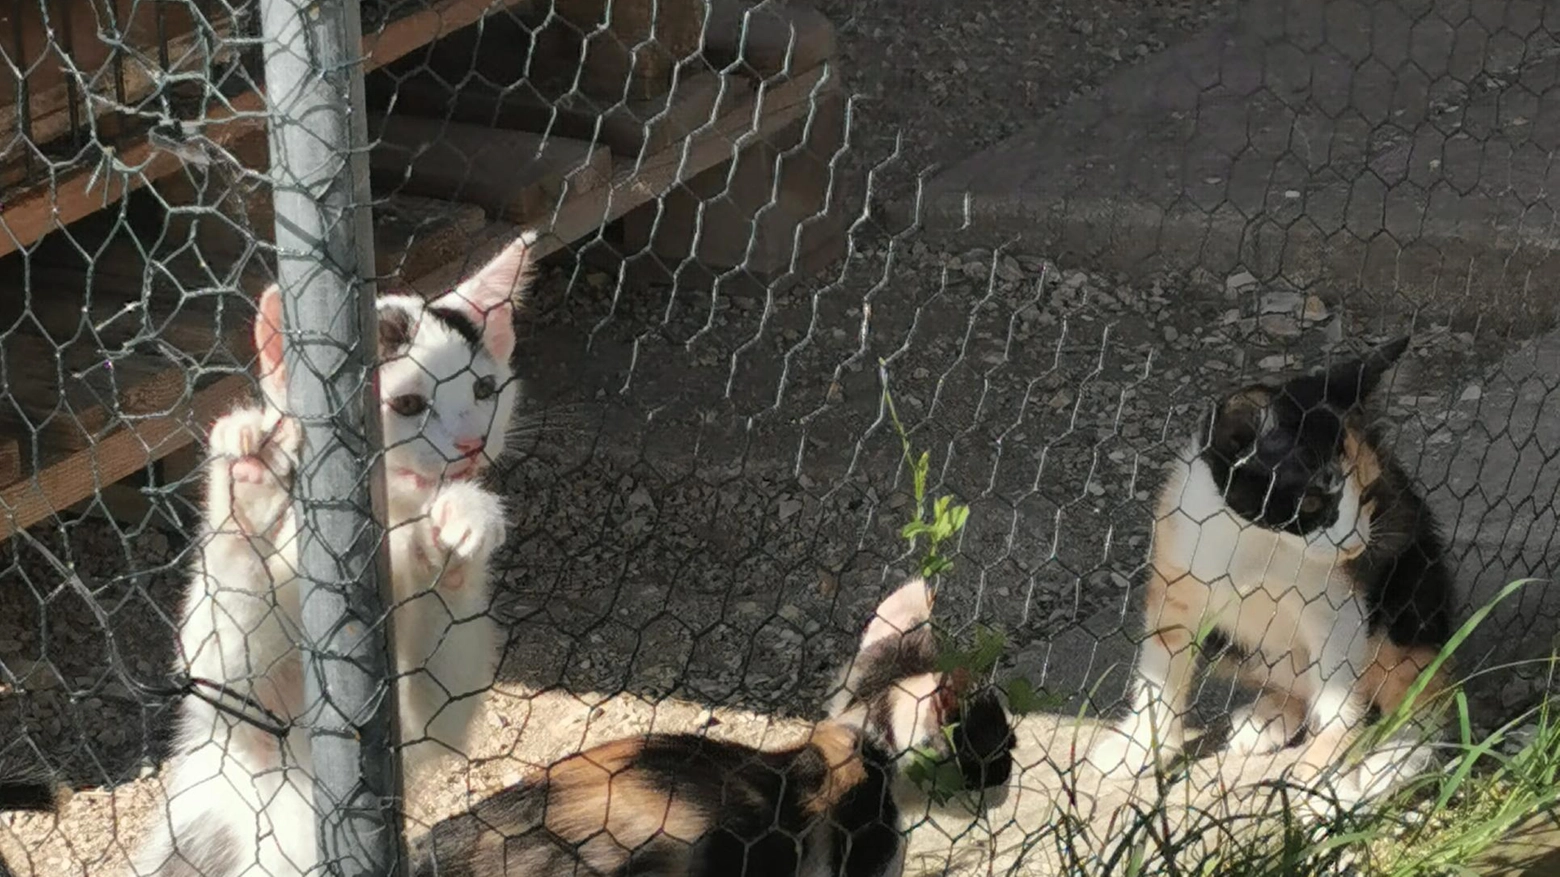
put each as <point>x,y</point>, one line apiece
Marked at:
<point>1259,729</point>
<point>468,522</point>
<point>1125,751</point>
<point>259,445</point>
<point>254,453</point>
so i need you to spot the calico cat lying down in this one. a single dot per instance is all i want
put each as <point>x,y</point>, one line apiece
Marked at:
<point>1286,535</point>
<point>683,804</point>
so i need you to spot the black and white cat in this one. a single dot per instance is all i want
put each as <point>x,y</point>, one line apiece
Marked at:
<point>1286,536</point>
<point>240,798</point>
<point>676,805</point>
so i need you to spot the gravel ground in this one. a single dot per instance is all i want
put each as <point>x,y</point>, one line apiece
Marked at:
<point>707,506</point>
<point>935,81</point>
<point>709,502</point>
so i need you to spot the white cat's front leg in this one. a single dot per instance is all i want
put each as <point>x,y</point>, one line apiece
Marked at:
<point>1153,732</point>
<point>254,453</point>
<point>449,652</point>
<point>1338,635</point>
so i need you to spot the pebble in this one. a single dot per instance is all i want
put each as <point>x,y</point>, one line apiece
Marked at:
<point>1472,393</point>
<point>1279,325</point>
<point>1281,303</point>
<point>1239,281</point>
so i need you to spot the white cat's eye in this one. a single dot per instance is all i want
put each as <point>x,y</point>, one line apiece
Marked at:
<point>485,388</point>
<point>409,405</point>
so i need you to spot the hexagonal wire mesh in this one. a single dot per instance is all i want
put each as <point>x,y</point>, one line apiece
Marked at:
<point>782,252</point>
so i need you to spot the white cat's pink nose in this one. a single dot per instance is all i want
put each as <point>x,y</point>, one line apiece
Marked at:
<point>469,447</point>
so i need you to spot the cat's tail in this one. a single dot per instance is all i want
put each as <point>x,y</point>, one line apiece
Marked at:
<point>25,785</point>
<point>191,832</point>
<point>225,815</point>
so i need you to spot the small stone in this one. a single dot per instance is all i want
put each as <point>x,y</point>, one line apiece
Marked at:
<point>1172,334</point>
<point>789,508</point>
<point>1280,325</point>
<point>1238,281</point>
<point>1332,333</point>
<point>1273,362</point>
<point>1281,303</point>
<point>1060,399</point>
<point>1315,310</point>
<point>1472,394</point>
<point>1008,269</point>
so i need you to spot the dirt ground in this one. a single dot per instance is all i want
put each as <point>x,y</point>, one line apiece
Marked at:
<point>707,502</point>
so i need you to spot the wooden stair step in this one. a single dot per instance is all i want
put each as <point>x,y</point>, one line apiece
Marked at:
<point>626,127</point>
<point>73,477</point>
<point>413,235</point>
<point>68,197</point>
<point>636,183</point>
<point>516,176</point>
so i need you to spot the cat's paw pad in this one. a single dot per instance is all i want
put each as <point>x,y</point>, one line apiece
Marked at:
<point>259,444</point>
<point>467,521</point>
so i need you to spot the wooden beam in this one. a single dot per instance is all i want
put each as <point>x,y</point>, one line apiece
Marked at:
<point>636,183</point>
<point>626,127</point>
<point>117,456</point>
<point>27,217</point>
<point>630,47</point>
<point>515,176</point>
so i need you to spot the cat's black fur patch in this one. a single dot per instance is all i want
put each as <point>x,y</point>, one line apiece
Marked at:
<point>25,795</point>
<point>983,741</point>
<point>1274,448</point>
<point>395,330</point>
<point>460,323</point>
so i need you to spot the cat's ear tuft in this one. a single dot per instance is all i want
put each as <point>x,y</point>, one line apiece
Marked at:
<point>489,296</point>
<point>268,346</point>
<point>1350,383</point>
<point>1240,420</point>
<point>900,612</point>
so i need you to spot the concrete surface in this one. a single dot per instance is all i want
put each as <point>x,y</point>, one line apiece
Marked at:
<point>1401,150</point>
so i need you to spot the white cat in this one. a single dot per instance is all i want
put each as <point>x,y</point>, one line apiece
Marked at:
<point>240,797</point>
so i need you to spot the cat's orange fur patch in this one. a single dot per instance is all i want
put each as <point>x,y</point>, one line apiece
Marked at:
<point>600,802</point>
<point>1393,672</point>
<point>1363,465</point>
<point>840,747</point>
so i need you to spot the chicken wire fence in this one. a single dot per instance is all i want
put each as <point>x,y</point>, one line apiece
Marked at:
<point>754,307</point>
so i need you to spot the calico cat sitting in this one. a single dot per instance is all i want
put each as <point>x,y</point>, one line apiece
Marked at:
<point>240,796</point>
<point>669,805</point>
<point>1286,537</point>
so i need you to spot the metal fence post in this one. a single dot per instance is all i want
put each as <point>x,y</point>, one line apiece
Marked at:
<point>319,166</point>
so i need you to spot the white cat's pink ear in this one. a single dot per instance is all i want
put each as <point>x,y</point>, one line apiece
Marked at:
<point>268,346</point>
<point>489,295</point>
<point>900,612</point>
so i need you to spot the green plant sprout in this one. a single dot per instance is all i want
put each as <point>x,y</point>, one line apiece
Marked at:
<point>947,519</point>
<point>934,772</point>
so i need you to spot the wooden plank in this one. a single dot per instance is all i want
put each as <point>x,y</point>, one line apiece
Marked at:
<point>637,183</point>
<point>626,127</point>
<point>114,78</point>
<point>779,39</point>
<point>515,176</point>
<point>28,216</point>
<point>122,453</point>
<point>10,460</point>
<point>413,235</point>
<point>631,48</point>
